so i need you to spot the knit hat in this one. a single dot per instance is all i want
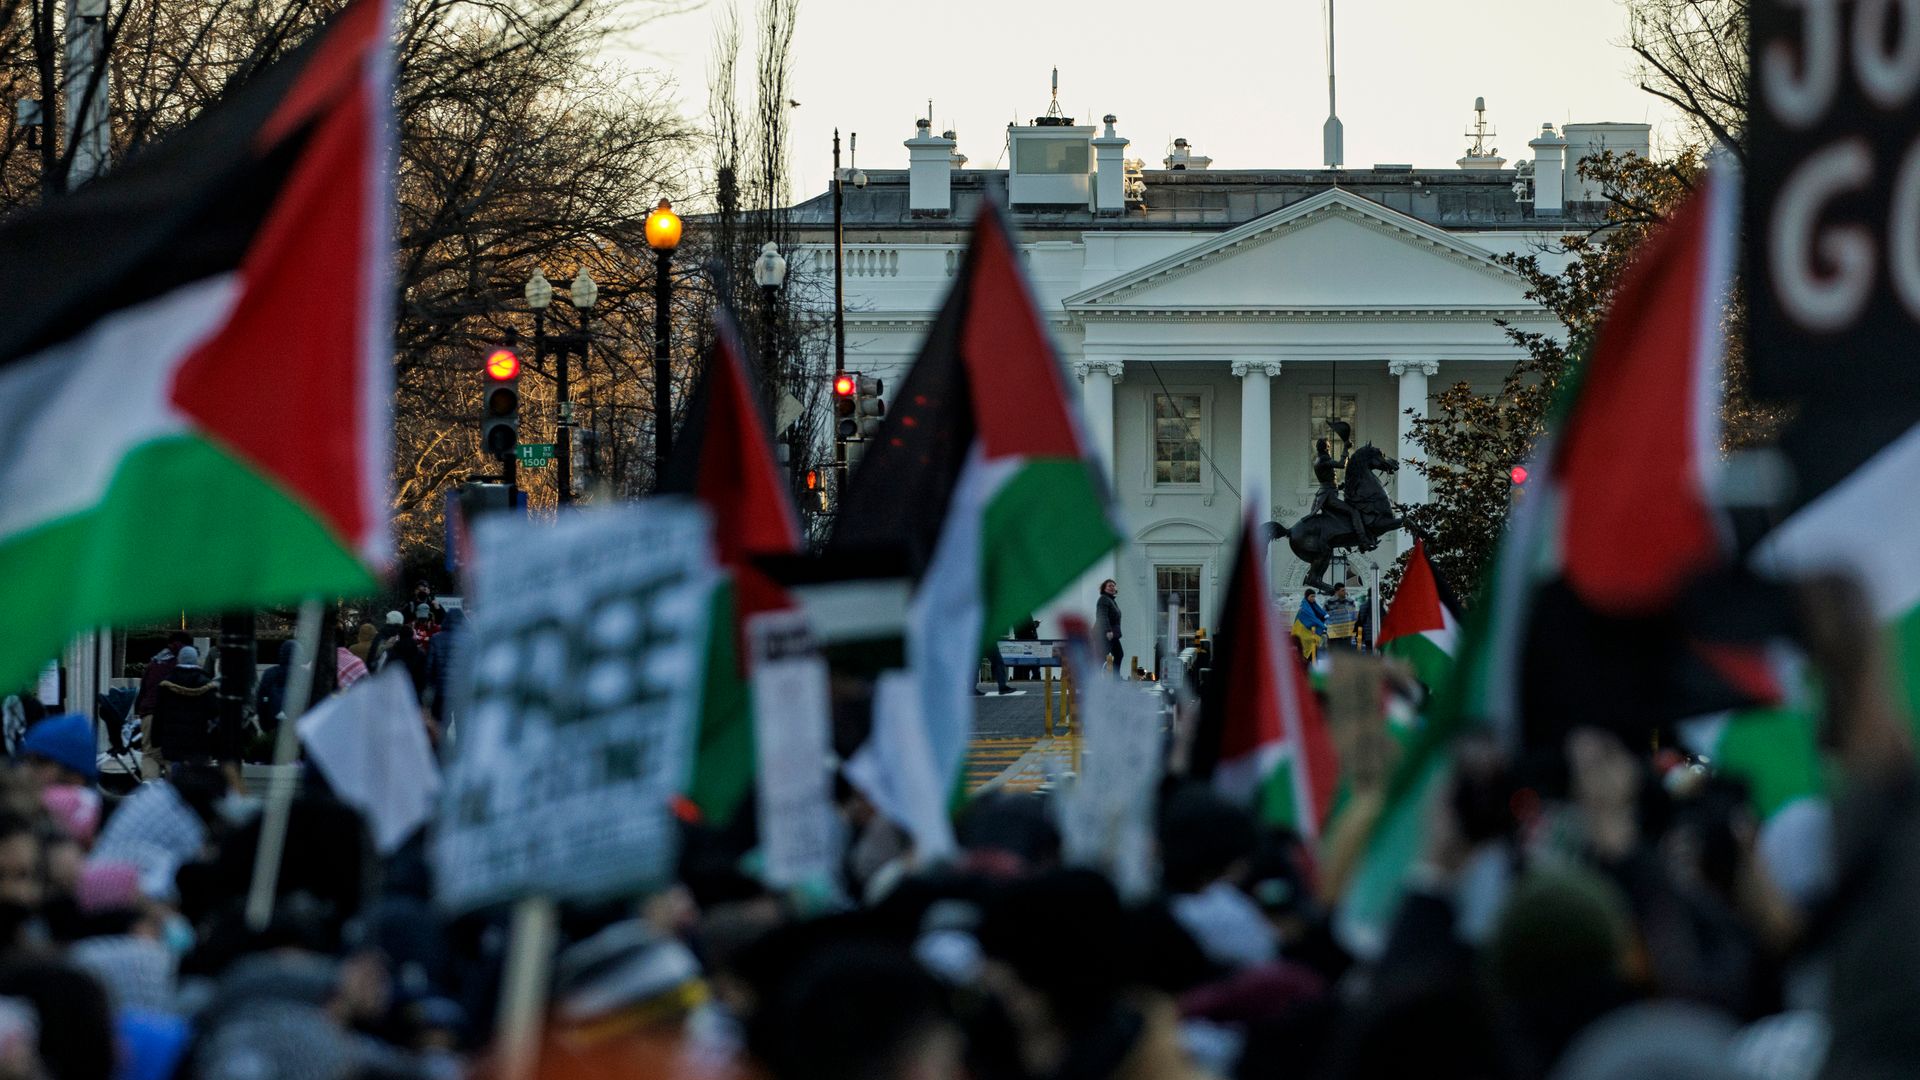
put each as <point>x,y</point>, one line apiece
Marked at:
<point>66,740</point>
<point>189,657</point>
<point>394,618</point>
<point>108,885</point>
<point>1562,925</point>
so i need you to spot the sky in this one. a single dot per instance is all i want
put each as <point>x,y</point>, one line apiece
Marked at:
<point>1244,82</point>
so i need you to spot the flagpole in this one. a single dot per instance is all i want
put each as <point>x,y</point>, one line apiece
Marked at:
<point>1373,592</point>
<point>280,788</point>
<point>523,987</point>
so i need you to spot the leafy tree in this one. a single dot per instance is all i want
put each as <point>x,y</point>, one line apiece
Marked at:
<point>1471,441</point>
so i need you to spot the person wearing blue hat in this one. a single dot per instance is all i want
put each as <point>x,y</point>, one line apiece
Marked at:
<point>62,750</point>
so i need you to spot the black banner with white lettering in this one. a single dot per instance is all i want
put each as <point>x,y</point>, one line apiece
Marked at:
<point>1833,227</point>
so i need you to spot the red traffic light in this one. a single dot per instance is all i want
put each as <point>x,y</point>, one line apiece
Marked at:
<point>813,479</point>
<point>1518,475</point>
<point>843,385</point>
<point>503,364</point>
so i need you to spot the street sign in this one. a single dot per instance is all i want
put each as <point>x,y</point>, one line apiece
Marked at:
<point>785,412</point>
<point>577,706</point>
<point>534,455</point>
<point>1035,654</point>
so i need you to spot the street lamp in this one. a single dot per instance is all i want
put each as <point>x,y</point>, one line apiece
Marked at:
<point>562,346</point>
<point>663,235</point>
<point>770,269</point>
<point>539,291</point>
<point>583,292</point>
<point>770,273</point>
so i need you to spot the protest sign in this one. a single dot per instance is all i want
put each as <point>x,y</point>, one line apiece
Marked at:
<point>1106,820</point>
<point>577,702</point>
<point>372,745</point>
<point>896,769</point>
<point>799,832</point>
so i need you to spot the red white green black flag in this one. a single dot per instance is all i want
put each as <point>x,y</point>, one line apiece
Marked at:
<point>196,369</point>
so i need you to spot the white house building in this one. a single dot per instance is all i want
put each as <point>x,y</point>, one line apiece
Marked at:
<point>1217,318</point>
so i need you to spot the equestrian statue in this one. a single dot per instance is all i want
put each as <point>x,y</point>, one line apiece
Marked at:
<point>1357,513</point>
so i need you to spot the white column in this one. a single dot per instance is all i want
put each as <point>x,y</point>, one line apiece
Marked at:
<point>1256,430</point>
<point>83,674</point>
<point>1410,485</point>
<point>1098,378</point>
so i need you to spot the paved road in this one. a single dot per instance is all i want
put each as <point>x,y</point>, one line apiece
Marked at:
<point>1006,729</point>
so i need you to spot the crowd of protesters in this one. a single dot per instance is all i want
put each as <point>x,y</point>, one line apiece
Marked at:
<point>1591,909</point>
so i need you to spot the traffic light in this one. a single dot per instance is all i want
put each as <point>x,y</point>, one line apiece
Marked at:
<point>845,426</point>
<point>810,488</point>
<point>868,409</point>
<point>500,403</point>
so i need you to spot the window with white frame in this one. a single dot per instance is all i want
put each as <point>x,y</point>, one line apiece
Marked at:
<point>1182,583</point>
<point>1321,409</point>
<point>1178,438</point>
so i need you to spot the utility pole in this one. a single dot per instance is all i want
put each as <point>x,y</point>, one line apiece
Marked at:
<point>43,50</point>
<point>88,133</point>
<point>839,282</point>
<point>662,365</point>
<point>91,658</point>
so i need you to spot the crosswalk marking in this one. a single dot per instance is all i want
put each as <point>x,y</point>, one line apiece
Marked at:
<point>990,756</point>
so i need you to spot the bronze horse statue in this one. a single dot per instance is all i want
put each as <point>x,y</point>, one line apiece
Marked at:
<point>1313,538</point>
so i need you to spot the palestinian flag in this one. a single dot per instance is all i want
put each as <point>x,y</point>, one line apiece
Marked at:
<point>1262,737</point>
<point>724,458</point>
<point>1422,626</point>
<point>980,482</point>
<point>1578,623</point>
<point>196,364</point>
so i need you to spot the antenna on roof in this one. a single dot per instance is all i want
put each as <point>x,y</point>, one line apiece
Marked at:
<point>1479,155</point>
<point>1053,109</point>
<point>1331,134</point>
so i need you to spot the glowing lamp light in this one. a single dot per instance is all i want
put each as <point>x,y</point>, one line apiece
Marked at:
<point>813,479</point>
<point>663,227</point>
<point>843,385</point>
<point>1518,475</point>
<point>504,364</point>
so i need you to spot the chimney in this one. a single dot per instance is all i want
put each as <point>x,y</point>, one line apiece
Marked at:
<point>1549,170</point>
<point>930,171</point>
<point>959,159</point>
<point>1110,170</point>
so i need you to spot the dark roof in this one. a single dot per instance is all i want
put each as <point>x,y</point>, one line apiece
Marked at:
<point>1218,198</point>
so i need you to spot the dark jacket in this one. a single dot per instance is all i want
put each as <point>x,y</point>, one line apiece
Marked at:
<point>440,661</point>
<point>184,713</point>
<point>158,668</point>
<point>271,697</point>
<point>1106,618</point>
<point>383,643</point>
<point>407,653</point>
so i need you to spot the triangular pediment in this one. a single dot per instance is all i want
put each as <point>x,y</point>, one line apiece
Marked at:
<point>1335,251</point>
